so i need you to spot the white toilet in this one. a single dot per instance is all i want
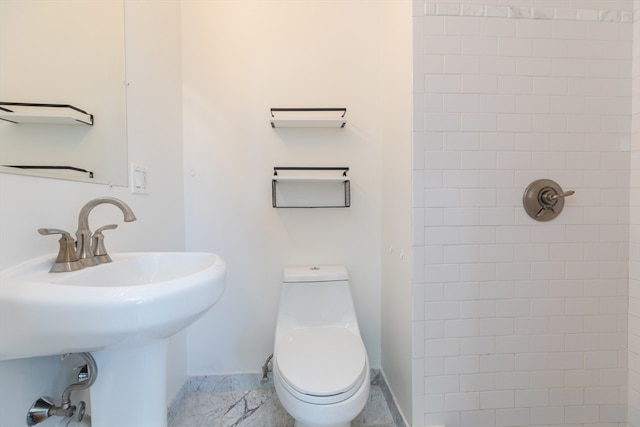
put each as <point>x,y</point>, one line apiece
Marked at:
<point>320,364</point>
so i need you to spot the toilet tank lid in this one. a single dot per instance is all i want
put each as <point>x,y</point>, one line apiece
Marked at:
<point>315,273</point>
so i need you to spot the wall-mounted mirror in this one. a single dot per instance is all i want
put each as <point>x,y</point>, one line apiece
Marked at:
<point>65,52</point>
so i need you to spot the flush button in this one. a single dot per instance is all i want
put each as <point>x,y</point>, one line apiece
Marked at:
<point>314,268</point>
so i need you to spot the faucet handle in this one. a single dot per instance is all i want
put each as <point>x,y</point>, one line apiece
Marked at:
<point>97,244</point>
<point>107,227</point>
<point>48,231</point>
<point>67,260</point>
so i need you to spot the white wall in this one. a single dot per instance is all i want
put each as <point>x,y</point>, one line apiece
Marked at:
<point>154,133</point>
<point>634,235</point>
<point>522,323</point>
<point>239,60</point>
<point>396,313</point>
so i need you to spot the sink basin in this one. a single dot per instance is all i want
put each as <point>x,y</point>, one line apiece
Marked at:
<point>137,299</point>
<point>122,312</point>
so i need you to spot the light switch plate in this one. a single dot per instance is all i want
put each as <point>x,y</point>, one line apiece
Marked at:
<point>138,179</point>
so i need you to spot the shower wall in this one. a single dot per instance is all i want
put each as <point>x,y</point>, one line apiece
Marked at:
<point>634,253</point>
<point>519,322</point>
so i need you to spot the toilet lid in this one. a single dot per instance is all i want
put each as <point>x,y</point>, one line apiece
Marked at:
<point>322,361</point>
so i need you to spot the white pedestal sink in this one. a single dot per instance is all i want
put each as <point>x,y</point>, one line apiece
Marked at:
<point>122,312</point>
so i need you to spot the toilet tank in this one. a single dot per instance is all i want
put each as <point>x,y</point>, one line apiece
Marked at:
<point>325,273</point>
<point>316,296</point>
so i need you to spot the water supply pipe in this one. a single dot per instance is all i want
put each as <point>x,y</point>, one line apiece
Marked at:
<point>266,368</point>
<point>43,408</point>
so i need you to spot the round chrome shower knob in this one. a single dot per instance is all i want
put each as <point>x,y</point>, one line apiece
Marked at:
<point>543,199</point>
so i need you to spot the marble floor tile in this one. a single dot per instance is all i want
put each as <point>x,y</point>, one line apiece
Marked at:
<point>261,408</point>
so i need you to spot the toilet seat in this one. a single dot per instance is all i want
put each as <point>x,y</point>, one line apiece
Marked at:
<point>321,365</point>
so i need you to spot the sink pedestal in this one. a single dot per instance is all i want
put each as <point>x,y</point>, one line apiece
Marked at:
<point>131,390</point>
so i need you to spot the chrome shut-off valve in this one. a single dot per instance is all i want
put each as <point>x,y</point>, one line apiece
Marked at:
<point>44,407</point>
<point>543,199</point>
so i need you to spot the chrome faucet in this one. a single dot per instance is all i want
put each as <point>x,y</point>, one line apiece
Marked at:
<point>83,234</point>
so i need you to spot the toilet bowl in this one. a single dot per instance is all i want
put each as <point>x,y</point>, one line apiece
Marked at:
<point>320,364</point>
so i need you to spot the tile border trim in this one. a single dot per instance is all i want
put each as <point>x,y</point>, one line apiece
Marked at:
<point>520,12</point>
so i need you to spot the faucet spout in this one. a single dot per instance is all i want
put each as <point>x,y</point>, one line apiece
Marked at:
<point>83,234</point>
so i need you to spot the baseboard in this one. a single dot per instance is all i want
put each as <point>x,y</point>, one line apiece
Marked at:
<point>398,417</point>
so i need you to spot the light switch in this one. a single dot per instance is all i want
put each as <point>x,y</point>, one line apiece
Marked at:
<point>138,179</point>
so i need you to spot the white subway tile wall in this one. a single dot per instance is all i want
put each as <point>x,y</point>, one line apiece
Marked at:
<point>634,235</point>
<point>518,322</point>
